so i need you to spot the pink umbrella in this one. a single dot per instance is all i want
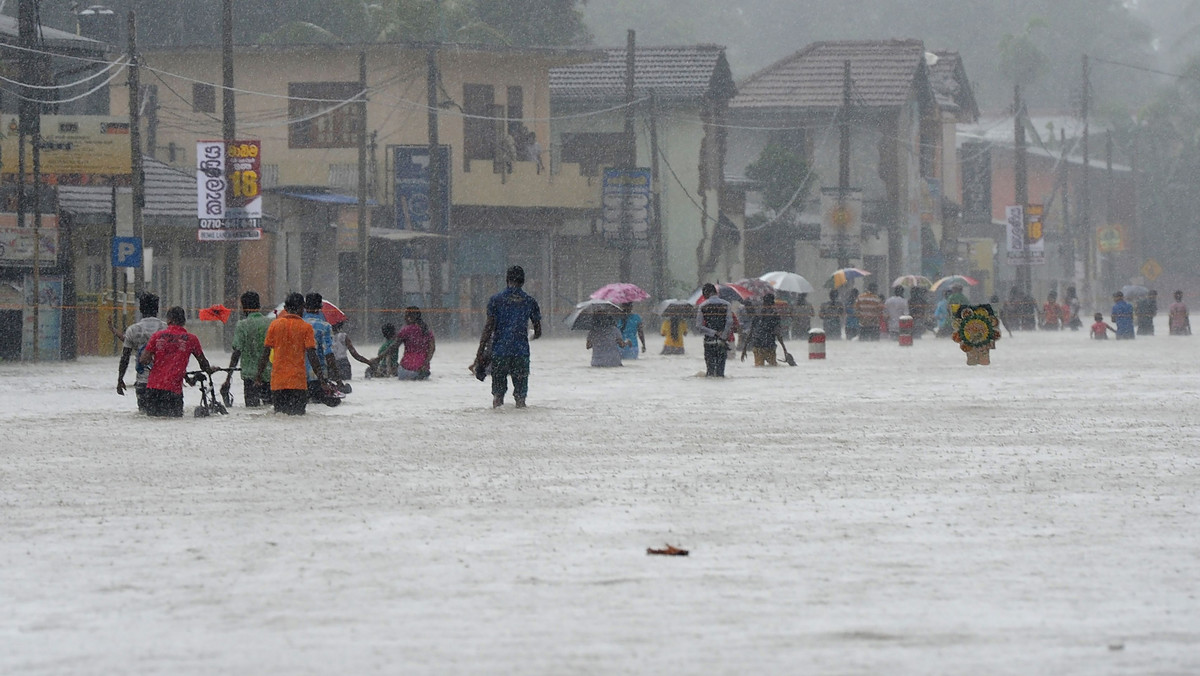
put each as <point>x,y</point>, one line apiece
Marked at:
<point>620,292</point>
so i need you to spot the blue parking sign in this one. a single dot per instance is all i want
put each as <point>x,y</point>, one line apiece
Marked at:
<point>127,252</point>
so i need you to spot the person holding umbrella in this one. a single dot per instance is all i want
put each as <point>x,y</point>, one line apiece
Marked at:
<point>714,319</point>
<point>605,341</point>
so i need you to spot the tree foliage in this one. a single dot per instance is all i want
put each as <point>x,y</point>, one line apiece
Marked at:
<point>783,178</point>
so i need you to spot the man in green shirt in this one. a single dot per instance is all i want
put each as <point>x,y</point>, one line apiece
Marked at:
<point>248,339</point>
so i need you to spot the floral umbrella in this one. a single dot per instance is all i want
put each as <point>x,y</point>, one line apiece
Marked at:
<point>620,292</point>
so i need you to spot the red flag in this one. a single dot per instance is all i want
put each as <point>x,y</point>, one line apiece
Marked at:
<point>216,313</point>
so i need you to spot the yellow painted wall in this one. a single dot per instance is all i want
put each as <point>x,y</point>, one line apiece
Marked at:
<point>396,111</point>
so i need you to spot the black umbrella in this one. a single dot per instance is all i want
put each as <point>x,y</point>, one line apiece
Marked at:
<point>583,317</point>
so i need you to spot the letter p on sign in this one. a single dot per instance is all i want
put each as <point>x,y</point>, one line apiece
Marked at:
<point>127,252</point>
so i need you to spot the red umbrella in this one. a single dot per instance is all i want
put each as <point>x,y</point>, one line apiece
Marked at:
<point>734,293</point>
<point>332,313</point>
<point>216,313</point>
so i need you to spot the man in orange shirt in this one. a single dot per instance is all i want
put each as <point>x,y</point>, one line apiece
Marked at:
<point>292,341</point>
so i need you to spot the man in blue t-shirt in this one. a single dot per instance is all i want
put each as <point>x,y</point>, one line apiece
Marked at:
<point>314,314</point>
<point>506,336</point>
<point>1122,316</point>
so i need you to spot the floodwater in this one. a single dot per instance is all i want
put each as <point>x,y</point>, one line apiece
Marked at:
<point>886,510</point>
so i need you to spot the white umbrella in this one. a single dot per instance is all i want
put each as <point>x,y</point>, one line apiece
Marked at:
<point>787,281</point>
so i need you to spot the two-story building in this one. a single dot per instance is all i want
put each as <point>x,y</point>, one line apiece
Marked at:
<point>691,88</point>
<point>302,102</point>
<point>901,142</point>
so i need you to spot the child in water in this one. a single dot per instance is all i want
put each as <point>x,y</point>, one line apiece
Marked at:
<point>1101,328</point>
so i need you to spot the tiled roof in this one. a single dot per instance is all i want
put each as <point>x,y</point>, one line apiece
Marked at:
<point>51,37</point>
<point>169,193</point>
<point>950,86</point>
<point>883,73</point>
<point>678,73</point>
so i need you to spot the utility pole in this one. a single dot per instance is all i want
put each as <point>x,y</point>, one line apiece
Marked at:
<point>1108,273</point>
<point>1065,178</point>
<point>659,267</point>
<point>437,192</point>
<point>1020,181</point>
<point>29,126</point>
<point>363,226</point>
<point>135,149</point>
<point>1085,201</point>
<point>843,256</point>
<point>626,263</point>
<point>229,136</point>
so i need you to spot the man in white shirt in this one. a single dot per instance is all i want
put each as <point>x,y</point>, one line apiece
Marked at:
<point>136,337</point>
<point>895,307</point>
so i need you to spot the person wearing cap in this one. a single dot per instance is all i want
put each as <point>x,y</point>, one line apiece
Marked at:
<point>1122,316</point>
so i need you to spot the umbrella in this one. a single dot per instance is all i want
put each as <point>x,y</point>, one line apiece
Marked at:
<point>674,306</point>
<point>620,292</point>
<point>730,292</point>
<point>787,281</point>
<point>952,280</point>
<point>583,317</point>
<point>332,313</point>
<point>757,287</point>
<point>216,313</point>
<point>912,280</point>
<point>1135,291</point>
<point>841,277</point>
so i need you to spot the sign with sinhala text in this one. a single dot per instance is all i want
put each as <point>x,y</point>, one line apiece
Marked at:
<point>72,145</point>
<point>228,191</point>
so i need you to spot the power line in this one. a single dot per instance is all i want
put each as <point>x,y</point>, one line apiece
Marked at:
<point>1144,69</point>
<point>69,85</point>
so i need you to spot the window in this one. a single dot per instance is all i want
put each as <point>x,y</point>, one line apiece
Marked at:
<point>204,98</point>
<point>321,123</point>
<point>479,135</point>
<point>195,282</point>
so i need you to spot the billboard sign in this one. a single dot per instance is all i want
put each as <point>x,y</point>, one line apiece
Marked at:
<point>410,165</point>
<point>16,244</point>
<point>72,145</point>
<point>229,191</point>
<point>625,206</point>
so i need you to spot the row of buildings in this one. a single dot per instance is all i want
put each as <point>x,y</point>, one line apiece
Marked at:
<point>528,136</point>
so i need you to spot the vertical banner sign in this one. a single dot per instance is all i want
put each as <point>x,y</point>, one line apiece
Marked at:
<point>1035,236</point>
<point>1014,223</point>
<point>228,191</point>
<point>48,332</point>
<point>411,165</point>
<point>625,206</point>
<point>841,223</point>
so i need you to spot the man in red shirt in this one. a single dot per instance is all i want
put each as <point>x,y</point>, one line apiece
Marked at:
<point>170,349</point>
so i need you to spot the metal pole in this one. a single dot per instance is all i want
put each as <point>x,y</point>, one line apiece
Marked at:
<point>30,112</point>
<point>135,149</point>
<point>363,226</point>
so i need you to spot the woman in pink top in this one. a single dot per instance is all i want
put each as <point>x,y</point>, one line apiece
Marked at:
<point>1179,322</point>
<point>418,346</point>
